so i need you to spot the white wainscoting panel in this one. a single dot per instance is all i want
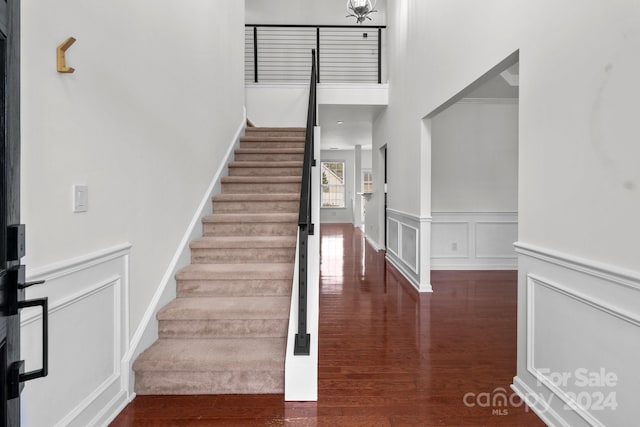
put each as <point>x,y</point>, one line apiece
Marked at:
<point>393,236</point>
<point>405,234</point>
<point>457,233</point>
<point>474,241</point>
<point>88,337</point>
<point>410,247</point>
<point>578,319</point>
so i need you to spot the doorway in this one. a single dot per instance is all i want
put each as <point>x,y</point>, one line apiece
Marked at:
<point>474,174</point>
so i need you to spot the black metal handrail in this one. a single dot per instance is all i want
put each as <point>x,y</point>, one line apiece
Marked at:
<point>346,59</point>
<point>305,223</point>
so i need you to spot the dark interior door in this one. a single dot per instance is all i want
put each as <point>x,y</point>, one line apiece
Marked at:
<point>9,199</point>
<point>385,197</point>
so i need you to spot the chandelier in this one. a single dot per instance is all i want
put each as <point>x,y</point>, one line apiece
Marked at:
<point>360,9</point>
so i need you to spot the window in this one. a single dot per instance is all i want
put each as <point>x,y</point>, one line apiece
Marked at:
<point>332,184</point>
<point>367,182</point>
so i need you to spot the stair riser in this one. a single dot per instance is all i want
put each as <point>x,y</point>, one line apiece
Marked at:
<point>210,382</point>
<point>234,287</point>
<point>240,171</point>
<point>271,157</point>
<point>223,328</point>
<point>241,255</point>
<point>271,144</point>
<point>256,207</point>
<point>258,188</point>
<point>250,229</point>
<point>275,133</point>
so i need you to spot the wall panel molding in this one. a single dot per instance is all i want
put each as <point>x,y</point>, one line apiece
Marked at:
<point>474,240</point>
<point>88,337</point>
<point>577,314</point>
<point>593,268</point>
<point>405,235</point>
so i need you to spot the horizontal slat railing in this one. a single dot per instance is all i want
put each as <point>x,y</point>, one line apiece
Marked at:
<point>344,54</point>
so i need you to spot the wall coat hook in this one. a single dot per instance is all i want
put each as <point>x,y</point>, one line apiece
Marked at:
<point>60,55</point>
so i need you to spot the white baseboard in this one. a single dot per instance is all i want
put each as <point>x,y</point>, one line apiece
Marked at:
<point>373,243</point>
<point>537,404</point>
<point>405,273</point>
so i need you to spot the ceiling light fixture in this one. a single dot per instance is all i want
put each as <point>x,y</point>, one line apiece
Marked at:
<point>339,122</point>
<point>360,9</point>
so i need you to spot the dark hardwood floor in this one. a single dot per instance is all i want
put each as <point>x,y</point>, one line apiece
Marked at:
<point>388,355</point>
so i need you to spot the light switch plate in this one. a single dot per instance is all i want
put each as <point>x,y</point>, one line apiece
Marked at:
<point>80,198</point>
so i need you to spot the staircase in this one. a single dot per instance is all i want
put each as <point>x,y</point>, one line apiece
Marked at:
<point>225,333</point>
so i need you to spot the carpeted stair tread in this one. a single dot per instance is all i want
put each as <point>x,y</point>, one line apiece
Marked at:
<point>244,242</point>
<point>251,217</point>
<point>267,139</point>
<point>206,355</point>
<point>253,197</point>
<point>257,164</point>
<point>208,308</point>
<point>225,333</point>
<point>235,271</point>
<point>270,150</point>
<point>275,129</point>
<point>261,179</point>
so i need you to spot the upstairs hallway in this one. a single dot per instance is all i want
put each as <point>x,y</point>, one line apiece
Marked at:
<point>388,355</point>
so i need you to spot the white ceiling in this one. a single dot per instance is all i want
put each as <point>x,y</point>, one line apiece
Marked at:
<point>355,129</point>
<point>357,120</point>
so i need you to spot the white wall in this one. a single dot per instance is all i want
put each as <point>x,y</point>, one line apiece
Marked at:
<point>374,221</point>
<point>145,122</point>
<point>326,12</point>
<point>474,158</point>
<point>341,215</point>
<point>474,194</point>
<point>578,175</point>
<point>277,105</point>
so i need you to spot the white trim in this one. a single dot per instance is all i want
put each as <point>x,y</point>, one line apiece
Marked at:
<point>513,257</point>
<point>119,283</point>
<point>111,410</point>
<point>465,255</point>
<point>398,238</point>
<point>271,85</point>
<point>413,217</point>
<point>69,301</point>
<point>417,237</point>
<point>533,280</point>
<point>474,213</point>
<point>583,298</point>
<point>546,413</point>
<point>87,401</point>
<point>373,243</point>
<point>406,275</point>
<point>183,246</point>
<point>73,265</point>
<point>369,86</point>
<point>614,274</point>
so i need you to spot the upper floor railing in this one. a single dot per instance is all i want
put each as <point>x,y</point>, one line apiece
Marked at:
<point>344,54</point>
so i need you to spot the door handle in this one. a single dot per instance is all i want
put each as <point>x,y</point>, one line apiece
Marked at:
<point>16,284</point>
<point>17,376</point>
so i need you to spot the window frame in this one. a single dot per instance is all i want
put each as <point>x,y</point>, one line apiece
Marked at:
<point>343,185</point>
